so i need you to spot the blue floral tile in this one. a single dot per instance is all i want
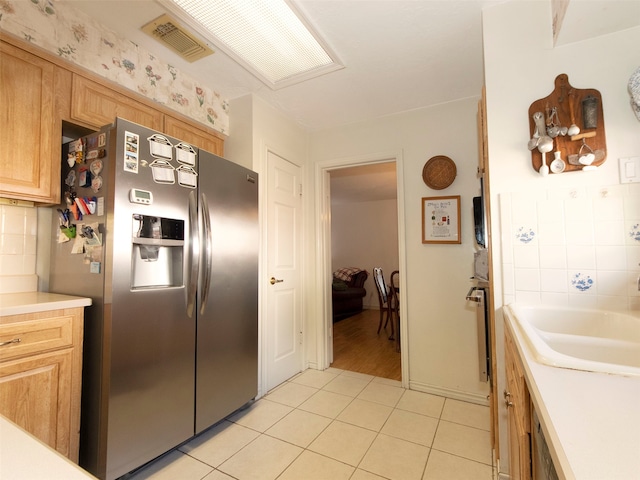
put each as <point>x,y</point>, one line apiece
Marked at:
<point>634,233</point>
<point>525,235</point>
<point>582,282</point>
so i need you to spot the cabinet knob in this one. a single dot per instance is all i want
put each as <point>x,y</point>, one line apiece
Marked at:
<point>506,394</point>
<point>508,403</point>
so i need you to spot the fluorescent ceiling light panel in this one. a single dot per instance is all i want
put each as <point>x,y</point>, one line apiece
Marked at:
<point>266,36</point>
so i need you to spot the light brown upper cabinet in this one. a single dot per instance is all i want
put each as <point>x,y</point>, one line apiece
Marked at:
<point>95,105</point>
<point>29,127</point>
<point>193,135</point>
<point>38,90</point>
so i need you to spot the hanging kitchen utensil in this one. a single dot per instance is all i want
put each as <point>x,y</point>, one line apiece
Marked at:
<point>590,112</point>
<point>545,142</point>
<point>544,168</point>
<point>535,138</point>
<point>553,124</point>
<point>557,165</point>
<point>573,128</point>
<point>585,154</point>
<point>567,102</point>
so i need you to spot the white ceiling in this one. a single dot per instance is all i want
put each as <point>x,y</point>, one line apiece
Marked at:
<point>399,55</point>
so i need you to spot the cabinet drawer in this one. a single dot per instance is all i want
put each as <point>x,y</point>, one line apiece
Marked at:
<point>34,336</point>
<point>35,394</point>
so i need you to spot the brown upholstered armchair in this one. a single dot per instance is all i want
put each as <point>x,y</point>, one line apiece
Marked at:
<point>347,292</point>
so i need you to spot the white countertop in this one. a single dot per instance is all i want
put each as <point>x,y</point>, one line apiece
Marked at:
<point>30,302</point>
<point>24,457</point>
<point>591,421</point>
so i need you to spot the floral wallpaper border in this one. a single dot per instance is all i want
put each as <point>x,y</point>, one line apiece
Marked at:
<point>69,33</point>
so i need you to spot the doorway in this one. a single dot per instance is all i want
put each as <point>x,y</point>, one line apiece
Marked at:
<point>361,172</point>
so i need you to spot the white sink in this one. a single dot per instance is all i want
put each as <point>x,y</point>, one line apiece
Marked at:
<point>591,340</point>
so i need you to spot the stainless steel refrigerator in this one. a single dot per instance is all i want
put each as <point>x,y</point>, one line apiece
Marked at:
<point>164,239</point>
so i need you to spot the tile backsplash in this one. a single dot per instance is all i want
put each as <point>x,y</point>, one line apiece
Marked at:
<point>576,247</point>
<point>18,243</point>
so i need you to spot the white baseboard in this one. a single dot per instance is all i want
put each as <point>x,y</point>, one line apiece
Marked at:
<point>478,399</point>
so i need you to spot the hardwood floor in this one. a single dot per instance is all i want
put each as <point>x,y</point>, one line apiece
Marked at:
<point>357,347</point>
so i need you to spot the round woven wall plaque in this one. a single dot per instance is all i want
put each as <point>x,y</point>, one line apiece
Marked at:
<point>439,172</point>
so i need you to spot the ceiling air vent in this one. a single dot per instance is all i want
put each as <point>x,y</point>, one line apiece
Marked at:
<point>173,35</point>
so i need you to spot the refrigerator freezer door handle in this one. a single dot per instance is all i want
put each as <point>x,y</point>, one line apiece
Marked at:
<point>194,259</point>
<point>208,250</point>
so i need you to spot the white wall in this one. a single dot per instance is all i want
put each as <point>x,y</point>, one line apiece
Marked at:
<point>365,235</point>
<point>257,129</point>
<point>518,35</point>
<point>442,345</point>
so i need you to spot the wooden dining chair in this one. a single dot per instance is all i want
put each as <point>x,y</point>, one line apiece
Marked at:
<point>394,306</point>
<point>385,301</point>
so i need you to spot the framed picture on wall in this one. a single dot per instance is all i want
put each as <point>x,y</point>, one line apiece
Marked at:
<point>441,219</point>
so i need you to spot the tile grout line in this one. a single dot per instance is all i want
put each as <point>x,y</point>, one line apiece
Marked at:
<point>334,419</point>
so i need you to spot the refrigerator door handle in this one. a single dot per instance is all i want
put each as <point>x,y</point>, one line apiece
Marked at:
<point>193,262</point>
<point>475,297</point>
<point>208,251</point>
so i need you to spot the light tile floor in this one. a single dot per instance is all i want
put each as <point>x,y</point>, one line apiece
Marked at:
<point>338,425</point>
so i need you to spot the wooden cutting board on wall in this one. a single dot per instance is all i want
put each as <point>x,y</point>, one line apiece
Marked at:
<point>569,104</point>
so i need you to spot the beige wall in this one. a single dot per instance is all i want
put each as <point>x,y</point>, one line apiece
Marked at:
<point>257,129</point>
<point>365,235</point>
<point>442,345</point>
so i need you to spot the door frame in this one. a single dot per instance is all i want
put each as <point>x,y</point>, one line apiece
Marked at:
<point>324,333</point>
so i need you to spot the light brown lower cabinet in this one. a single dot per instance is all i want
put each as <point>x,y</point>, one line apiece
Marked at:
<point>518,404</point>
<point>40,375</point>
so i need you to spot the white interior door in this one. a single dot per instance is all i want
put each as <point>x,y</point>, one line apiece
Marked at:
<point>283,326</point>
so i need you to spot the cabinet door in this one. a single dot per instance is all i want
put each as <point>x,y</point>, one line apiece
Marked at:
<point>96,105</point>
<point>518,413</point>
<point>35,394</point>
<point>192,135</point>
<point>515,465</point>
<point>27,148</point>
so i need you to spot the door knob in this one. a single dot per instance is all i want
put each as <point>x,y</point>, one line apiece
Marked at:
<point>274,280</point>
